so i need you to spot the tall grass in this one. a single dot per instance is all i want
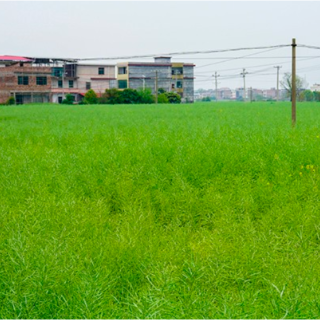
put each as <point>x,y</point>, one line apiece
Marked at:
<point>192,211</point>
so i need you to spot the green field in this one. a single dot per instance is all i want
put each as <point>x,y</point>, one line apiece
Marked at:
<point>210,210</point>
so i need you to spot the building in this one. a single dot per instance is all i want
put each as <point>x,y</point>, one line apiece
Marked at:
<point>170,76</point>
<point>224,94</point>
<point>31,80</point>
<point>76,79</point>
<point>315,87</point>
<point>24,81</point>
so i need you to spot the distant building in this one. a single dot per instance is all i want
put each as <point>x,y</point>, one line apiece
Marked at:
<point>315,87</point>
<point>224,94</point>
<point>239,93</point>
<point>172,77</point>
<point>23,80</point>
<point>76,79</point>
<point>270,93</point>
<point>31,80</point>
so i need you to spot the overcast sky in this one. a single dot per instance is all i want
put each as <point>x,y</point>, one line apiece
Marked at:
<point>108,29</point>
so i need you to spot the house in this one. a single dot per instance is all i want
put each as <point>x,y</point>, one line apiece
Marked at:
<point>315,87</point>
<point>76,79</point>
<point>23,80</point>
<point>31,80</point>
<point>172,77</point>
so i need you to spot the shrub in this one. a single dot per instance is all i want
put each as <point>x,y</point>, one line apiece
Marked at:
<point>10,101</point>
<point>173,97</point>
<point>111,96</point>
<point>162,98</point>
<point>69,99</point>
<point>90,97</point>
<point>146,96</point>
<point>129,96</point>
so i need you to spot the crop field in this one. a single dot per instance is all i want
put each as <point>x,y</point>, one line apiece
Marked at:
<point>206,210</point>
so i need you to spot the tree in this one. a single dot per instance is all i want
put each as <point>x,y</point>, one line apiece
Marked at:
<point>286,83</point>
<point>111,96</point>
<point>69,99</point>
<point>162,98</point>
<point>173,97</point>
<point>90,97</point>
<point>316,96</point>
<point>129,96</point>
<point>308,95</point>
<point>145,96</point>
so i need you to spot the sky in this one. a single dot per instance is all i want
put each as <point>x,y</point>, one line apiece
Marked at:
<point>118,28</point>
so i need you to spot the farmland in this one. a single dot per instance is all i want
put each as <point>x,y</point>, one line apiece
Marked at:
<point>206,210</point>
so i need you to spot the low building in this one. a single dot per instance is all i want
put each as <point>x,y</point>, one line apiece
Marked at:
<point>76,79</point>
<point>31,80</point>
<point>24,81</point>
<point>170,76</point>
<point>315,87</point>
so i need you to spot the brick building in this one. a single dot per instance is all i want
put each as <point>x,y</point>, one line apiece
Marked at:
<point>25,82</point>
<point>31,80</point>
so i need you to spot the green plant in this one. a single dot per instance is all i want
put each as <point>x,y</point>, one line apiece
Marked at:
<point>173,97</point>
<point>69,99</point>
<point>90,97</point>
<point>111,96</point>
<point>162,98</point>
<point>185,211</point>
<point>146,96</point>
<point>10,101</point>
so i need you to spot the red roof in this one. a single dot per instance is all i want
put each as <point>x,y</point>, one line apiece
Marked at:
<point>14,58</point>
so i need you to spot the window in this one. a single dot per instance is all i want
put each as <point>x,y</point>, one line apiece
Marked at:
<point>60,84</point>
<point>23,80</point>
<point>179,84</point>
<point>177,71</point>
<point>122,70</point>
<point>101,71</point>
<point>172,86</point>
<point>88,85</point>
<point>57,72</point>
<point>41,81</point>
<point>70,83</point>
<point>122,84</point>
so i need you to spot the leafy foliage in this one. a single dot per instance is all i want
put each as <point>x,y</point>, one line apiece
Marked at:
<point>90,97</point>
<point>173,97</point>
<point>146,96</point>
<point>10,101</point>
<point>69,99</point>
<point>162,98</point>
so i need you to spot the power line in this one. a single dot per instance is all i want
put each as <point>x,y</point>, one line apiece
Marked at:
<point>306,46</point>
<point>182,53</point>
<point>248,55</point>
<point>262,65</point>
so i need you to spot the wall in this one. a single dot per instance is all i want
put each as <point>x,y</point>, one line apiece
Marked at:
<point>9,80</point>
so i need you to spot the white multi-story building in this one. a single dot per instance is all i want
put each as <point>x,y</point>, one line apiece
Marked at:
<point>77,79</point>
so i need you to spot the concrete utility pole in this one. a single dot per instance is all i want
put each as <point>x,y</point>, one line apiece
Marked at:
<point>156,87</point>
<point>251,94</point>
<point>293,85</point>
<point>278,67</point>
<point>244,84</point>
<point>216,84</point>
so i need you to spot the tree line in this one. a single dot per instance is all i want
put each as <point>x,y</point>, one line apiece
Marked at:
<point>126,96</point>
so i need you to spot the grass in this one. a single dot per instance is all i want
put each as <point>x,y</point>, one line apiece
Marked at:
<point>208,210</point>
